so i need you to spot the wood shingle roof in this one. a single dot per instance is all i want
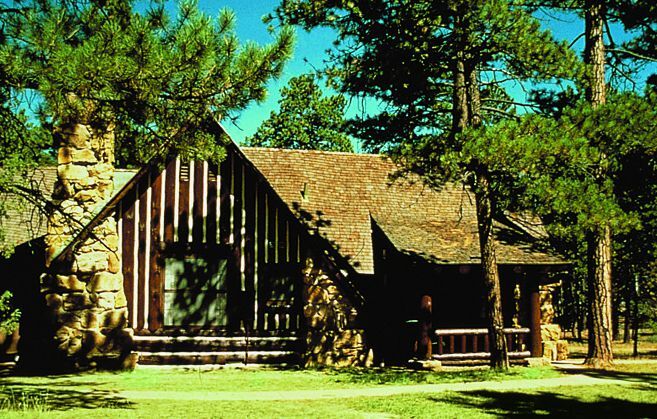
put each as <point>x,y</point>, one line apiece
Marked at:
<point>24,219</point>
<point>342,194</point>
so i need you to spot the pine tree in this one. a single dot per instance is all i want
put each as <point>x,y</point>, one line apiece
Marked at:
<point>556,164</point>
<point>158,78</point>
<point>306,119</point>
<point>640,17</point>
<point>23,145</point>
<point>438,70</point>
<point>9,316</point>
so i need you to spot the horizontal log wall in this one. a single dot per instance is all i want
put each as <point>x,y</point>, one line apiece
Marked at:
<point>199,208</point>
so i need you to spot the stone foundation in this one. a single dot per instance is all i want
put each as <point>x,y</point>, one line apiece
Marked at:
<point>554,348</point>
<point>334,337</point>
<point>84,292</point>
<point>547,306</point>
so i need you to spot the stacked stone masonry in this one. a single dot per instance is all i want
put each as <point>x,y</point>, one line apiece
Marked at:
<point>84,293</point>
<point>334,337</point>
<point>554,347</point>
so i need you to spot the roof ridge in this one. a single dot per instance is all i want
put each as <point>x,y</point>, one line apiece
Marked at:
<point>293,150</point>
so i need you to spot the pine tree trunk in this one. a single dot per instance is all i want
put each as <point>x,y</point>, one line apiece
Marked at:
<point>626,326</point>
<point>615,320</point>
<point>629,292</point>
<point>599,276</point>
<point>594,53</point>
<point>466,113</point>
<point>600,322</point>
<point>460,92</point>
<point>635,294</point>
<point>569,298</point>
<point>499,358</point>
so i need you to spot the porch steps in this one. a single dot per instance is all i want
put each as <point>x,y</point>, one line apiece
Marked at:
<point>195,350</point>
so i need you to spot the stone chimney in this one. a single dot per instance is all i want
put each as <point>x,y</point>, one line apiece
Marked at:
<point>84,294</point>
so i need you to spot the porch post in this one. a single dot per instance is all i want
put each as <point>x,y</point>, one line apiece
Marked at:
<point>425,328</point>
<point>535,319</point>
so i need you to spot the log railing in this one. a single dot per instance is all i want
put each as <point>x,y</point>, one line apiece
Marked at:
<point>463,344</point>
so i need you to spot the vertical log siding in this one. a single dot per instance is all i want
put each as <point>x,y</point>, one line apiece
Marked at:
<point>184,210</point>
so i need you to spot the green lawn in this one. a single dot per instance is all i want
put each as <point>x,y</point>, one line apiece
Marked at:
<point>96,395</point>
<point>237,379</point>
<point>647,347</point>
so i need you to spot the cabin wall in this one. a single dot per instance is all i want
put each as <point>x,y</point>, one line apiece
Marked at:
<point>224,219</point>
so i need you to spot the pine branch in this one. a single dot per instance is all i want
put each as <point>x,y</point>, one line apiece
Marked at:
<point>500,112</point>
<point>633,54</point>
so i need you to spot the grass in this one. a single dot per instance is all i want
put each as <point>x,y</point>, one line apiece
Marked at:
<point>98,395</point>
<point>384,376</point>
<point>645,368</point>
<point>24,401</point>
<point>233,379</point>
<point>585,401</point>
<point>647,349</point>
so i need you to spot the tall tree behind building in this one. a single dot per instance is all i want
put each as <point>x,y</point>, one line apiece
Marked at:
<point>306,119</point>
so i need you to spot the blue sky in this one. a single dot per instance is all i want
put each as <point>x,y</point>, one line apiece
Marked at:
<point>311,47</point>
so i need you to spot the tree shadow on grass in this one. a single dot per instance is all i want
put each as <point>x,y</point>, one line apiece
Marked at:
<point>638,377</point>
<point>59,395</point>
<point>404,376</point>
<point>376,376</point>
<point>519,404</point>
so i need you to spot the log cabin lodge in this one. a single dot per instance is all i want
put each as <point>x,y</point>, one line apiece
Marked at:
<point>291,256</point>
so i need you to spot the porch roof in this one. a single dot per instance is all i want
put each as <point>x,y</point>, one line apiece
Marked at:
<point>341,195</point>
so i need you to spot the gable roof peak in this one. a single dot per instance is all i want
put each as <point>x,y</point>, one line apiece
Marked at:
<point>325,152</point>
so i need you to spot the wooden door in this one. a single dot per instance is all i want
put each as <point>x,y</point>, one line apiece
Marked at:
<point>195,292</point>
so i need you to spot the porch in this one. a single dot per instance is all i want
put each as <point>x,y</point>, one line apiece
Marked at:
<point>473,344</point>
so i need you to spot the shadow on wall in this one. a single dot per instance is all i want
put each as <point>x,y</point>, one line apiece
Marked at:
<point>316,224</point>
<point>335,334</point>
<point>339,332</point>
<point>203,288</point>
